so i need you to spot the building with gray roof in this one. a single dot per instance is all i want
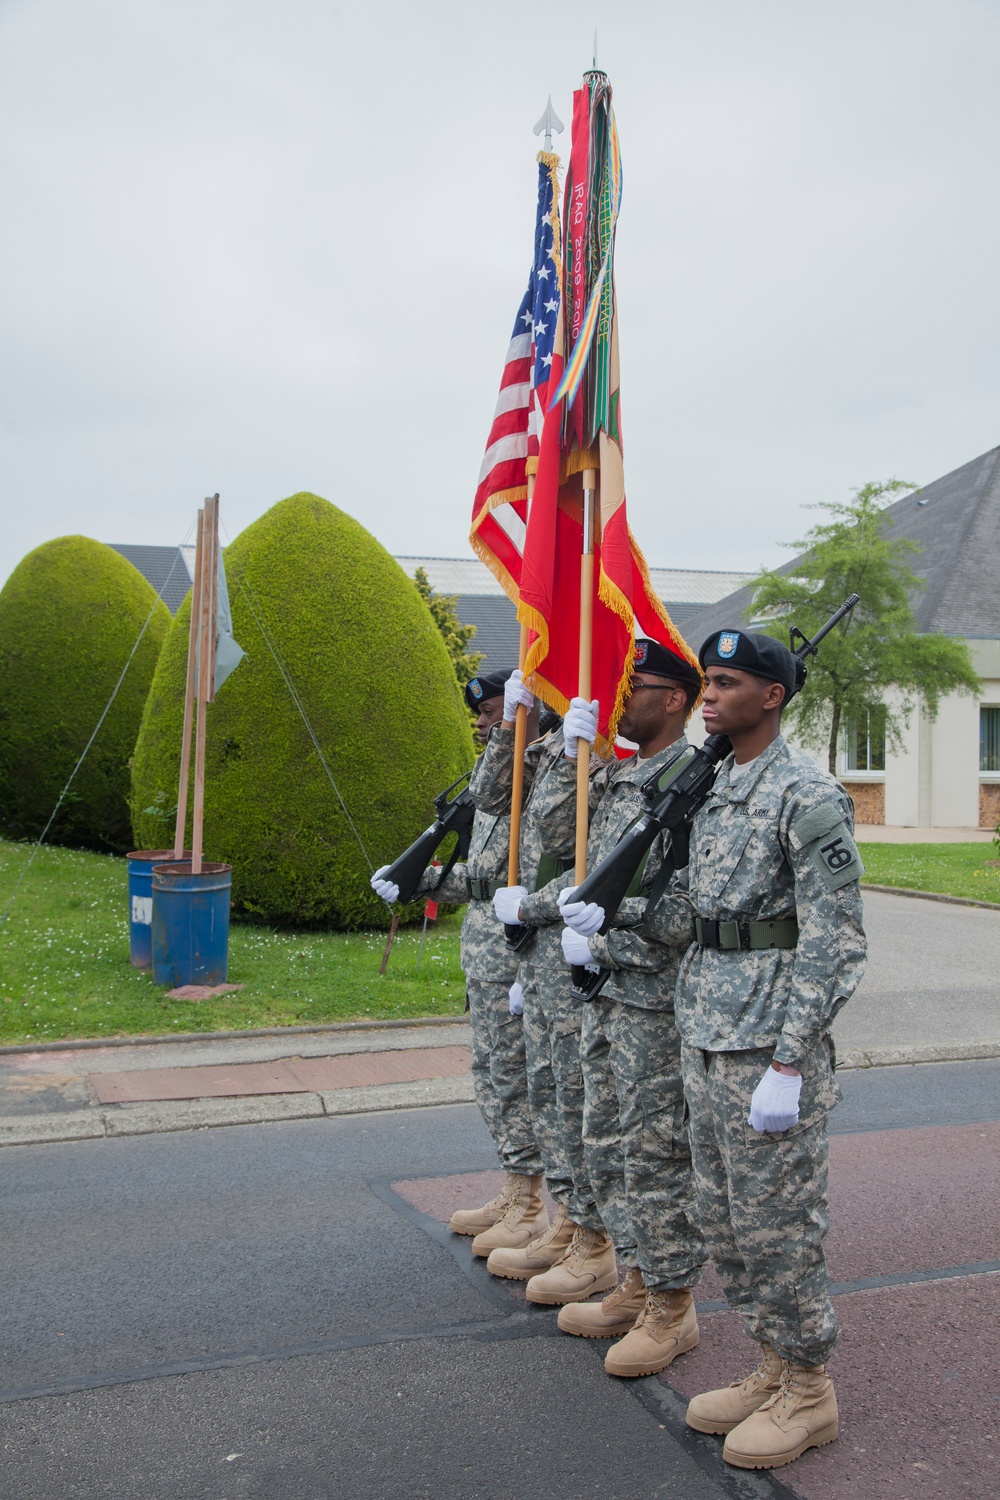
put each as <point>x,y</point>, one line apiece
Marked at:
<point>948,772</point>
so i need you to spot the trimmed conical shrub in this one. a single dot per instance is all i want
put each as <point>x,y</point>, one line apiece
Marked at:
<point>70,614</point>
<point>379,690</point>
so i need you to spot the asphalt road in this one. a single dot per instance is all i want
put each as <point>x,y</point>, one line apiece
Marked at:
<point>254,1312</point>
<point>931,976</point>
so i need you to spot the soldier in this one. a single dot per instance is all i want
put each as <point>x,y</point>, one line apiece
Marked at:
<point>772,892</point>
<point>576,1239</point>
<point>635,1122</point>
<point>490,967</point>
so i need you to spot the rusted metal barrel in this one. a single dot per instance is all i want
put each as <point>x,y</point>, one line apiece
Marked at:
<point>190,927</point>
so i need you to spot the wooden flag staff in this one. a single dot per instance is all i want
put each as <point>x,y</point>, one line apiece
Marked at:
<point>180,824</point>
<point>520,742</point>
<point>586,661</point>
<point>206,667</point>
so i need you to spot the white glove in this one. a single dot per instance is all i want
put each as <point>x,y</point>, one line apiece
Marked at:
<point>506,902</point>
<point>515,692</point>
<point>576,949</point>
<point>515,999</point>
<point>387,889</point>
<point>775,1102</point>
<point>585,917</point>
<point>580,723</point>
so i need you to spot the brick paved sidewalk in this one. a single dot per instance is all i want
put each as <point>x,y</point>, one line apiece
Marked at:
<point>76,1093</point>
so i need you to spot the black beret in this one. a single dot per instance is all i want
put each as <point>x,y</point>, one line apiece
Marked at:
<point>486,685</point>
<point>749,652</point>
<point>651,657</point>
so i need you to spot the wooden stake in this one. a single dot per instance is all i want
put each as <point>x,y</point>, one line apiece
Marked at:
<point>185,777</point>
<point>388,944</point>
<point>586,661</point>
<point>206,629</point>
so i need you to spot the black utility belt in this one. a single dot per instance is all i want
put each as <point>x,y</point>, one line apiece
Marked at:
<point>746,937</point>
<point>483,890</point>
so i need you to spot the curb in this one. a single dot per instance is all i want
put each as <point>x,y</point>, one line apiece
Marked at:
<point>897,1057</point>
<point>904,890</point>
<point>71,1044</point>
<point>118,1120</point>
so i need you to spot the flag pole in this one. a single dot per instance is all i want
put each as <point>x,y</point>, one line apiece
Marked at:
<point>192,657</point>
<point>586,661</point>
<point>206,630</point>
<point>520,742</point>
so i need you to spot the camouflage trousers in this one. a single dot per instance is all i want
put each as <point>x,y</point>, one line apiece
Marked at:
<point>555,1078</point>
<point>499,1076</point>
<point>635,1138</point>
<point>762,1198</point>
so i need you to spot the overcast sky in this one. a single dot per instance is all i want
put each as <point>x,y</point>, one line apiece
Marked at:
<point>259,247</point>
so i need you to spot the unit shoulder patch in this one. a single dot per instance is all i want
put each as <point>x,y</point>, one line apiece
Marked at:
<point>824,835</point>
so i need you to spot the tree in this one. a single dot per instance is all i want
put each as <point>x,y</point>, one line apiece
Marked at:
<point>876,662</point>
<point>74,614</point>
<point>456,635</point>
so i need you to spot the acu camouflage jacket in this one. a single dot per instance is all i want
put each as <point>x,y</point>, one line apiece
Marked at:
<point>548,818</point>
<point>643,968</point>
<point>485,952</point>
<point>774,843</point>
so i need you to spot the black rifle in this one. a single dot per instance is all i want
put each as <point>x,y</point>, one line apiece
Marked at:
<point>672,798</point>
<point>452,817</point>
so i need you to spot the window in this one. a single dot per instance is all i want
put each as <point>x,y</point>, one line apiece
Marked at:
<point>865,742</point>
<point>989,739</point>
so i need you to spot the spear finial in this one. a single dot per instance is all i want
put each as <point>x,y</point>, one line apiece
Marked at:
<point>550,121</point>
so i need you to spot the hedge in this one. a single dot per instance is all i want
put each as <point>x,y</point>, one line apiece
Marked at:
<point>374,677</point>
<point>70,614</point>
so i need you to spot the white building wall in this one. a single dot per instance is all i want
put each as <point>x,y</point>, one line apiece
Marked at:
<point>902,779</point>
<point>954,764</point>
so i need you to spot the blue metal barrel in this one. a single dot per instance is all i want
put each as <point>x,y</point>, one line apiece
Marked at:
<point>140,901</point>
<point>191,924</point>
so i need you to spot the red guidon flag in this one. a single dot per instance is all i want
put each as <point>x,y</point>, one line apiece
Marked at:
<point>582,430</point>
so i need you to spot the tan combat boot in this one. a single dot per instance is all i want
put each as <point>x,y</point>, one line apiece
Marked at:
<point>478,1220</point>
<point>538,1255</point>
<point>613,1316</point>
<point>523,1219</point>
<point>802,1414</point>
<point>667,1326</point>
<point>586,1267</point>
<point>722,1410</point>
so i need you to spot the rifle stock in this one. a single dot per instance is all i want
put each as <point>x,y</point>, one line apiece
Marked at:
<point>453,816</point>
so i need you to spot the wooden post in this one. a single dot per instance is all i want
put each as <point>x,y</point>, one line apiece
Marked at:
<point>517,785</point>
<point>206,629</point>
<point>520,740</point>
<point>388,943</point>
<point>182,789</point>
<point>586,659</point>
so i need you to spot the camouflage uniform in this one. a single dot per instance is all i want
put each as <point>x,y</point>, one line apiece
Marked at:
<point>498,1065</point>
<point>551,1016</point>
<point>635,1120</point>
<point>774,843</point>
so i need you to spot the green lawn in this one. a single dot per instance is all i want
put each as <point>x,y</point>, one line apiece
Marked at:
<point>65,971</point>
<point>951,869</point>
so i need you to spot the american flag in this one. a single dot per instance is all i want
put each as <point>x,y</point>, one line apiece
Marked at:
<point>499,510</point>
